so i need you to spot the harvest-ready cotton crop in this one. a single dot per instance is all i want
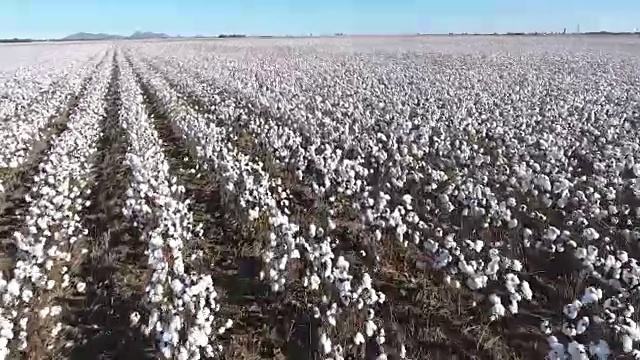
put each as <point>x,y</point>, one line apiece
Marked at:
<point>348,198</point>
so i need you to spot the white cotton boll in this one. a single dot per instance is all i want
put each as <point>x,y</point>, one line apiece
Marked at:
<point>545,327</point>
<point>557,350</point>
<point>358,339</point>
<point>315,282</point>
<point>403,352</point>
<point>577,351</point>
<point>254,214</point>
<point>166,351</point>
<point>23,325</point>
<point>381,297</point>
<point>342,263</point>
<point>370,328</point>
<point>134,318</point>
<point>513,306</point>
<point>26,295</point>
<point>569,329</point>
<point>526,291</point>
<point>627,343</point>
<point>44,312</point>
<point>325,344</point>
<point>497,310</point>
<point>591,295</point>
<point>582,325</point>
<point>623,256</point>
<point>477,281</point>
<point>81,287</point>
<point>331,320</point>
<point>13,288</point>
<point>600,350</point>
<point>478,245</point>
<point>571,310</point>
<point>591,234</point>
<point>628,312</point>
<point>381,339</point>
<point>632,329</point>
<point>552,233</point>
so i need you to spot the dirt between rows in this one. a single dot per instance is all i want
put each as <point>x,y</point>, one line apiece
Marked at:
<point>115,267</point>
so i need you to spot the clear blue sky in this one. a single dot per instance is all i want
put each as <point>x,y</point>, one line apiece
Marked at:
<point>57,18</point>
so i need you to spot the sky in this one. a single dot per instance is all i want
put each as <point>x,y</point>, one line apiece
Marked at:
<point>57,18</point>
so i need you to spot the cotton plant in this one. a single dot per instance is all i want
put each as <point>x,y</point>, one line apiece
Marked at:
<point>26,128</point>
<point>53,231</point>
<point>290,245</point>
<point>33,83</point>
<point>344,186</point>
<point>343,283</point>
<point>183,303</point>
<point>547,175</point>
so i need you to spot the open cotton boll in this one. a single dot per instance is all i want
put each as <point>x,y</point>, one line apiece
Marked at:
<point>571,310</point>
<point>497,309</point>
<point>577,351</point>
<point>600,350</point>
<point>591,295</point>
<point>557,350</point>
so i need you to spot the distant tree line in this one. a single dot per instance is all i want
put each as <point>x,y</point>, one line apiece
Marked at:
<point>16,40</point>
<point>232,35</point>
<point>538,33</point>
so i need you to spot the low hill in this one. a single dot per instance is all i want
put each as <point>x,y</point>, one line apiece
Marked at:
<point>103,36</point>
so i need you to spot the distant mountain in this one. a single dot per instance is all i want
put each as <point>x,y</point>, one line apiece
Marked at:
<point>148,35</point>
<point>91,36</point>
<point>103,36</point>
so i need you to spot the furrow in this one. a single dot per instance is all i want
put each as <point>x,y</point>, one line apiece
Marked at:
<point>99,320</point>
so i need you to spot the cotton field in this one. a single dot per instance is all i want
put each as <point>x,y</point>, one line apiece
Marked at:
<point>351,198</point>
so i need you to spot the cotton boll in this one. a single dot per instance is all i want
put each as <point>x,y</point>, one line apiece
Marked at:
<point>325,344</point>
<point>627,343</point>
<point>571,310</point>
<point>557,350</point>
<point>577,351</point>
<point>591,295</point>
<point>582,325</point>
<point>370,328</point>
<point>545,327</point>
<point>497,309</point>
<point>569,329</point>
